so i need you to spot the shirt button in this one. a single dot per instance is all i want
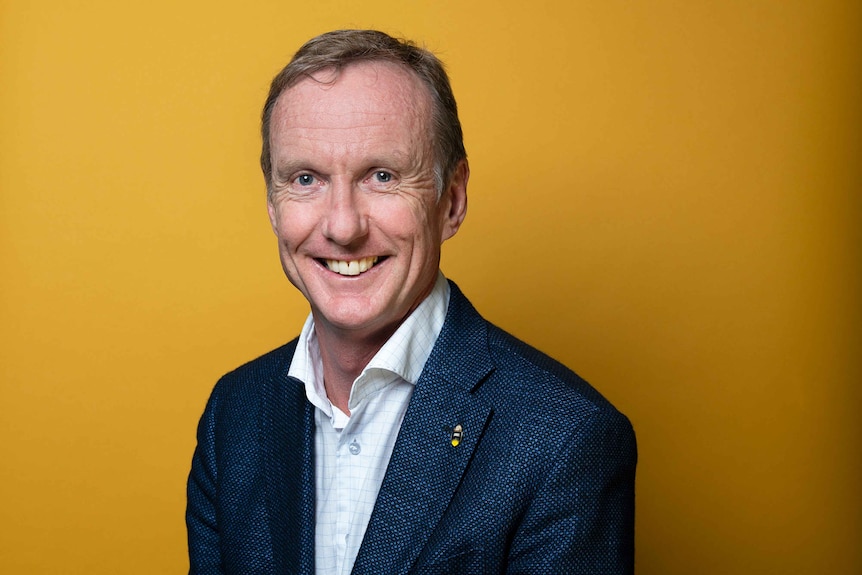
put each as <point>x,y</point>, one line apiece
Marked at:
<point>354,448</point>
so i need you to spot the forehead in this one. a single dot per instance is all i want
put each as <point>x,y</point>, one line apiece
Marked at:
<point>376,92</point>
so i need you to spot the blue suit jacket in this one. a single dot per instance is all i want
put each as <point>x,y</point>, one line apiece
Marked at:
<point>542,482</point>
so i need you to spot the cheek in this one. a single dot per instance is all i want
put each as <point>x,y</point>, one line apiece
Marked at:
<point>411,218</point>
<point>293,224</point>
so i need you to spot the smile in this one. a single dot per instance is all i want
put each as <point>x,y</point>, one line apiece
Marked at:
<point>351,267</point>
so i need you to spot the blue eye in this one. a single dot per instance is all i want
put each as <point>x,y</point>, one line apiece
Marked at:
<point>305,180</point>
<point>383,177</point>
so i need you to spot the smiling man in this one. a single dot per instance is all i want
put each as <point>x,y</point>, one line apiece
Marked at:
<point>400,432</point>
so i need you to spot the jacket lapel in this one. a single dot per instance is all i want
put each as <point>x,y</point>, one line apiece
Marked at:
<point>287,440</point>
<point>426,468</point>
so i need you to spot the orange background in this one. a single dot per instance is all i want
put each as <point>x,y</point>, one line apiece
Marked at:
<point>665,196</point>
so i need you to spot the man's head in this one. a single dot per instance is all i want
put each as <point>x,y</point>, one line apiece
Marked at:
<point>354,192</point>
<point>336,50</point>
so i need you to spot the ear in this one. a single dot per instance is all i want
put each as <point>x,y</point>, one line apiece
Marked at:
<point>455,196</point>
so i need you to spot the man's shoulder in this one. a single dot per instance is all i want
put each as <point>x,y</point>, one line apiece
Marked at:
<point>519,372</point>
<point>531,392</point>
<point>546,379</point>
<point>250,376</point>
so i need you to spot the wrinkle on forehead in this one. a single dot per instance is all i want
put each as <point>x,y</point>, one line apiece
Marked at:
<point>410,85</point>
<point>407,95</point>
<point>395,110</point>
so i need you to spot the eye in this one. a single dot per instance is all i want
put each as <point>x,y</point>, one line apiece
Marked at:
<point>382,177</point>
<point>305,180</point>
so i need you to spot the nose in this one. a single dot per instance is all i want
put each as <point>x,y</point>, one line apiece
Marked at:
<point>346,220</point>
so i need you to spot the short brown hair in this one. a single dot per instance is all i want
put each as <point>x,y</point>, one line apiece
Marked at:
<point>340,48</point>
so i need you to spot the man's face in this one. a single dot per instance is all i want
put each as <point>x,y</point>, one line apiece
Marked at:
<point>353,200</point>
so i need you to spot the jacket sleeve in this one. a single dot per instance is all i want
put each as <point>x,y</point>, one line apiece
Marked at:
<point>582,518</point>
<point>201,522</point>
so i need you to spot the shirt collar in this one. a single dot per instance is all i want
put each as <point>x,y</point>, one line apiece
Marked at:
<point>403,355</point>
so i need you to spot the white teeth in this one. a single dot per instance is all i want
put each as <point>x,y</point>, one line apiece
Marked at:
<point>351,268</point>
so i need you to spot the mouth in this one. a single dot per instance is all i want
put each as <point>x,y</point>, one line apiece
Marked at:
<point>350,267</point>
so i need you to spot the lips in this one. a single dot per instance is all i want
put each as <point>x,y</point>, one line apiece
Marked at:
<point>351,267</point>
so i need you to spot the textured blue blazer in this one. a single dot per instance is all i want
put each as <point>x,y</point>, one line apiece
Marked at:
<point>542,481</point>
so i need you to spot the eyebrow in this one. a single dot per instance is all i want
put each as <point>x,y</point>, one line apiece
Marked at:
<point>287,167</point>
<point>396,159</point>
<point>282,171</point>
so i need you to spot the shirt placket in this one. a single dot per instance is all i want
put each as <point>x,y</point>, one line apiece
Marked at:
<point>349,479</point>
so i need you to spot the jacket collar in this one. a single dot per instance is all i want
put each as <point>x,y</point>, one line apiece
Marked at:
<point>425,467</point>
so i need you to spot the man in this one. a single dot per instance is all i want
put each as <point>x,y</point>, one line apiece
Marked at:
<point>401,432</point>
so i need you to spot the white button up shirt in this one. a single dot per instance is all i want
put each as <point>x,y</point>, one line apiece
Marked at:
<point>351,453</point>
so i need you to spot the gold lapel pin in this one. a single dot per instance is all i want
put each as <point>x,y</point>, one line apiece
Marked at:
<point>457,432</point>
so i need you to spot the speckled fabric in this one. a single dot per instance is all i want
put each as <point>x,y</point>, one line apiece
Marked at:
<point>542,480</point>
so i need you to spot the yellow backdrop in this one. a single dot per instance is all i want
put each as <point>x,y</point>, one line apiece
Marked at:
<point>665,196</point>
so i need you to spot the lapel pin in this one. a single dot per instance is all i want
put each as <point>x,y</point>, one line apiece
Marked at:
<point>457,432</point>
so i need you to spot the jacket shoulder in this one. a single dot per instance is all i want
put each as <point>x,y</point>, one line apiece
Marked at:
<point>258,370</point>
<point>241,390</point>
<point>547,381</point>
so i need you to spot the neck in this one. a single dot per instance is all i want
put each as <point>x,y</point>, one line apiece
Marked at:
<point>344,355</point>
